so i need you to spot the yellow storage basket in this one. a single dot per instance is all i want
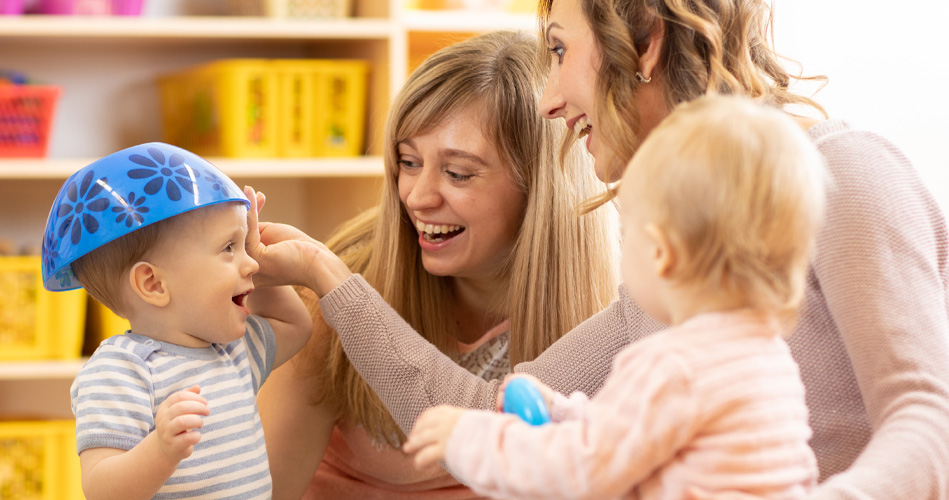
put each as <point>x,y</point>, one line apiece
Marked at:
<point>34,323</point>
<point>103,323</point>
<point>340,107</point>
<point>224,108</point>
<point>267,107</point>
<point>38,461</point>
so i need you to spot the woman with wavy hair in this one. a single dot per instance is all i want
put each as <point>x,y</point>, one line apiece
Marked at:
<point>476,243</point>
<point>872,337</point>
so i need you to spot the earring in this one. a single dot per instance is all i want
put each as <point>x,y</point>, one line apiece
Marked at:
<point>643,79</point>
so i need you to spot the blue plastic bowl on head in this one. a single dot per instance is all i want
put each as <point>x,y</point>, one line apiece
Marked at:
<point>120,193</point>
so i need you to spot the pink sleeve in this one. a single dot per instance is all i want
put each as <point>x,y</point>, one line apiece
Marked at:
<point>568,407</point>
<point>881,263</point>
<point>624,435</point>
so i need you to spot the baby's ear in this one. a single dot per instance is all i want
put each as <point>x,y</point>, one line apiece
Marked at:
<point>145,279</point>
<point>665,254</point>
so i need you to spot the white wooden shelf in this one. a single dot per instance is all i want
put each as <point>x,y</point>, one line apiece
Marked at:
<point>366,166</point>
<point>40,370</point>
<point>239,27</point>
<point>184,27</point>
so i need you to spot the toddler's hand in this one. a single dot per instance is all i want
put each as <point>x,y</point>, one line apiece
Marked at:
<point>545,391</point>
<point>177,420</point>
<point>430,435</point>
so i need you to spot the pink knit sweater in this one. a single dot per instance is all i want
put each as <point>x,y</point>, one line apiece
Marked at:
<point>355,466</point>
<point>872,340</point>
<point>715,403</point>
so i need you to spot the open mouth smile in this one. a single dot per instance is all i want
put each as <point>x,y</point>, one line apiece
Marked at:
<point>239,299</point>
<point>582,127</point>
<point>436,233</point>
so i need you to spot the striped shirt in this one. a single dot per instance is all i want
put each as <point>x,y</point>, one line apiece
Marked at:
<point>116,394</point>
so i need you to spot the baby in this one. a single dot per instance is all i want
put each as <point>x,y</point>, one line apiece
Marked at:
<point>719,208</point>
<point>168,409</point>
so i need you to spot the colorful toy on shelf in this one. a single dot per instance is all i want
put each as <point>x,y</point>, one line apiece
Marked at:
<point>522,398</point>
<point>120,193</point>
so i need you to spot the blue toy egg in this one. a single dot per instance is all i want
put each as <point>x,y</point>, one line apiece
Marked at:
<point>120,193</point>
<point>522,398</point>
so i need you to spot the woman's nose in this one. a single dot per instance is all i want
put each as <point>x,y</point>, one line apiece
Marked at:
<point>551,102</point>
<point>424,192</point>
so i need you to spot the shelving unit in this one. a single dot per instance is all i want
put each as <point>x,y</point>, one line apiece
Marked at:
<point>107,68</point>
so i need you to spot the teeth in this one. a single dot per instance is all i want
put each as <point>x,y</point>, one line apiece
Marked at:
<point>582,124</point>
<point>435,228</point>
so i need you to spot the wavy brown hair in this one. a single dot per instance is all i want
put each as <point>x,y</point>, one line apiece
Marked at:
<point>708,47</point>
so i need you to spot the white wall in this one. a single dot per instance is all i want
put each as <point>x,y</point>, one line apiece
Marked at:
<point>888,64</point>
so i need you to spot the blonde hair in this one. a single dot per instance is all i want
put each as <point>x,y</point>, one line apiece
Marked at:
<point>708,47</point>
<point>562,269</point>
<point>740,188</point>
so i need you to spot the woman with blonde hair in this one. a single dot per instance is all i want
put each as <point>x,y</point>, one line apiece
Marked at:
<point>872,338</point>
<point>476,243</point>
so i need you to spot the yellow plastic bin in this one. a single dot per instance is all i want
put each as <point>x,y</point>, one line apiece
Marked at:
<point>305,9</point>
<point>296,125</point>
<point>37,324</point>
<point>223,108</point>
<point>267,107</point>
<point>103,323</point>
<point>340,107</point>
<point>38,461</point>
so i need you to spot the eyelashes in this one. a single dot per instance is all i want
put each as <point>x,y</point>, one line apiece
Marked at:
<point>557,50</point>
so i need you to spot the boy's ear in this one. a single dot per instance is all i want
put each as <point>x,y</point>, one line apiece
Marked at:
<point>146,281</point>
<point>665,256</point>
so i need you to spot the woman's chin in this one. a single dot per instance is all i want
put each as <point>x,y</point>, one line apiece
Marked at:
<point>606,172</point>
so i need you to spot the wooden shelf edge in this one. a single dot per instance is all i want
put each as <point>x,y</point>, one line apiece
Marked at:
<point>192,27</point>
<point>40,370</point>
<point>61,168</point>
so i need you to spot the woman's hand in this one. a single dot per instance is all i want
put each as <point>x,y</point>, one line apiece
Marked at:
<point>287,256</point>
<point>430,435</point>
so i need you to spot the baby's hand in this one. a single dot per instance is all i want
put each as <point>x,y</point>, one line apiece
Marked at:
<point>430,435</point>
<point>545,391</point>
<point>177,421</point>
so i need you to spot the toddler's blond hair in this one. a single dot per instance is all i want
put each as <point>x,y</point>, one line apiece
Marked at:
<point>739,188</point>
